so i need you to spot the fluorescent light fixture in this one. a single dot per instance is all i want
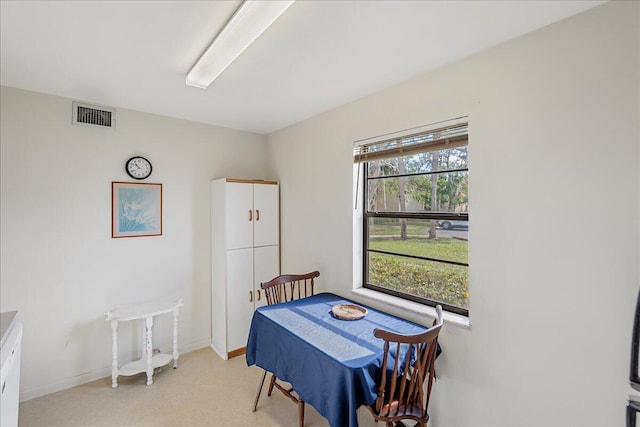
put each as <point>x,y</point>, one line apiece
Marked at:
<point>245,26</point>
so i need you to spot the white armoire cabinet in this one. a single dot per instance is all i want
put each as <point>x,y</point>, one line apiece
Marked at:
<point>245,251</point>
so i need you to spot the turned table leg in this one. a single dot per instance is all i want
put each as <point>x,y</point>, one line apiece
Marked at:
<point>114,352</point>
<point>149,325</point>
<point>175,338</point>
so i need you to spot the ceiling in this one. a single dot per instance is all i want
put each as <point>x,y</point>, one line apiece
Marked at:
<point>317,56</point>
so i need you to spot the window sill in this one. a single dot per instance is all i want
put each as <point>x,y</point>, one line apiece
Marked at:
<point>411,306</point>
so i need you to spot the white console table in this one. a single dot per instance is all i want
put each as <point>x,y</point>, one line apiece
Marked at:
<point>149,361</point>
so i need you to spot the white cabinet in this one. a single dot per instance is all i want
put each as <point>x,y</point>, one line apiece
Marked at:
<point>245,250</point>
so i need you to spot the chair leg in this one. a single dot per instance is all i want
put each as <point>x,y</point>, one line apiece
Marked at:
<point>301,412</point>
<point>255,404</point>
<point>271,384</point>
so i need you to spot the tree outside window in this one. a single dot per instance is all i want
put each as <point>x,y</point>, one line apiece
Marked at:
<point>416,219</point>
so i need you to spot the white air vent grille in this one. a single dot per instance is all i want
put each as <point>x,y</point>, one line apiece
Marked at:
<point>93,115</point>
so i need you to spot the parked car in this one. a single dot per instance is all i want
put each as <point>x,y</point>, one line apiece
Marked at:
<point>452,224</point>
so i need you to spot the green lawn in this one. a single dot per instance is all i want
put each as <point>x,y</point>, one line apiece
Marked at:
<point>435,280</point>
<point>447,249</point>
<point>394,229</point>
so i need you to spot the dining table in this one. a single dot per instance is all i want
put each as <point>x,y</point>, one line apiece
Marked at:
<point>332,364</point>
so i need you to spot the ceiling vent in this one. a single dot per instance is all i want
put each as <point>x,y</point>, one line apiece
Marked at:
<point>93,115</point>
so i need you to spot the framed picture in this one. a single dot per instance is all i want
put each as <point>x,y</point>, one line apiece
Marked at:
<point>136,209</point>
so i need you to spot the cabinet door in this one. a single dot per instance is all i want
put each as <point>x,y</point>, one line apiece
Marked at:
<point>239,215</point>
<point>266,228</point>
<point>240,296</point>
<point>266,261</point>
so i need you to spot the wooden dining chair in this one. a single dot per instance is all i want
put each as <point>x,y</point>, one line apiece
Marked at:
<point>284,288</point>
<point>402,394</point>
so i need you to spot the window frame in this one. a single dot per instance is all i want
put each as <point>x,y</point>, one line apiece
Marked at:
<point>427,215</point>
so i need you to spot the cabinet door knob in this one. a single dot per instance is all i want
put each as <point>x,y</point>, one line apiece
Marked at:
<point>258,294</point>
<point>257,214</point>
<point>250,215</point>
<point>250,296</point>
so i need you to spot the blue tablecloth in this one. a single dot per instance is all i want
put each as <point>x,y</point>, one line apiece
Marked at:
<point>332,364</point>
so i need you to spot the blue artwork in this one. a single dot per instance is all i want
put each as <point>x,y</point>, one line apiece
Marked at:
<point>137,210</point>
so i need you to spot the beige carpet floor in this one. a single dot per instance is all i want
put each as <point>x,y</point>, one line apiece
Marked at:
<point>204,391</point>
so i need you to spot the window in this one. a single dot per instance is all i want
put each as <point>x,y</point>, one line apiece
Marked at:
<point>415,215</point>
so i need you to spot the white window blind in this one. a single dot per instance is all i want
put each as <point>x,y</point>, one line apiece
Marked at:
<point>441,136</point>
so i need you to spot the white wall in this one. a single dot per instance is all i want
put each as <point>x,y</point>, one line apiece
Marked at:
<point>554,238</point>
<point>59,266</point>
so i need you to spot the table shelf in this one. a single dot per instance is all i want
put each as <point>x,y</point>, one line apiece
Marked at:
<point>140,365</point>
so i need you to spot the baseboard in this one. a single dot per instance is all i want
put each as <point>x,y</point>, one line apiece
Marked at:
<point>238,352</point>
<point>196,346</point>
<point>64,384</point>
<point>93,375</point>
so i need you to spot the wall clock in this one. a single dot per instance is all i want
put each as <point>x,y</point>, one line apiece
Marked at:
<point>138,167</point>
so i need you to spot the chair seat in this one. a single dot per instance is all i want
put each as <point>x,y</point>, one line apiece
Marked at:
<point>395,409</point>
